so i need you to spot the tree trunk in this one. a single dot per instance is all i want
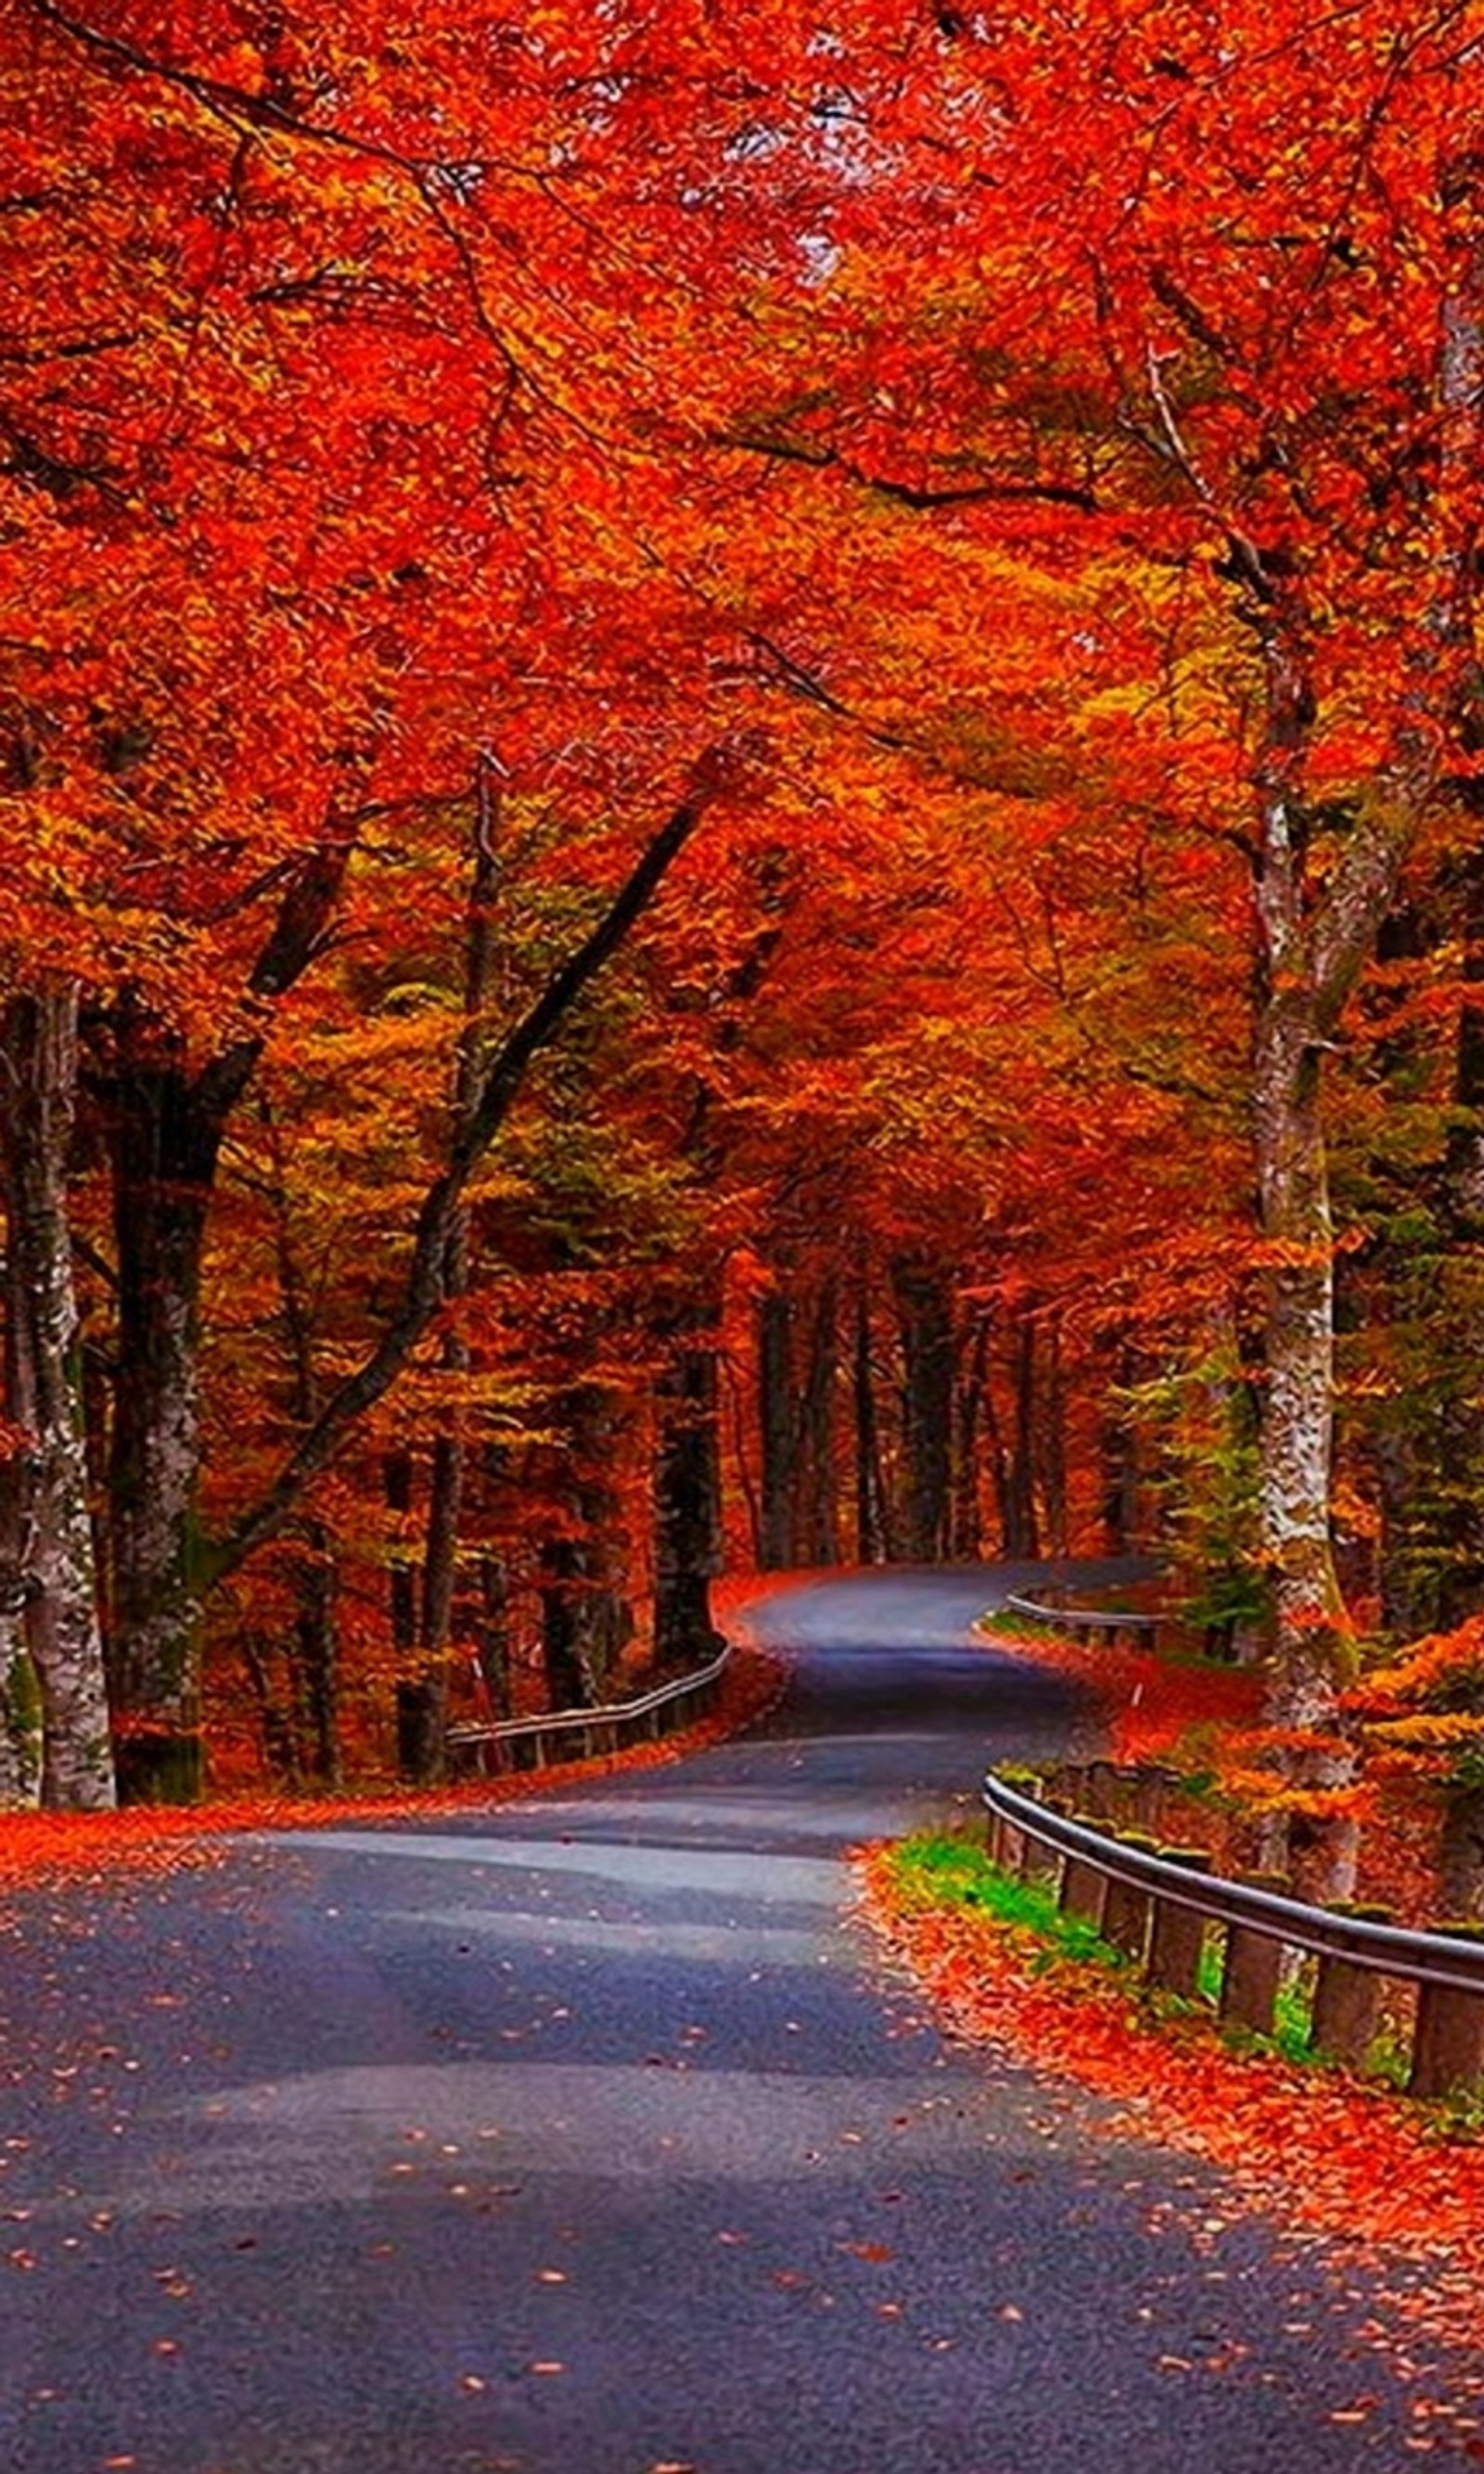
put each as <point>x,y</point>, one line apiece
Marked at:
<point>165,1149</point>
<point>966,1541</point>
<point>777,1428</point>
<point>1298,1400</point>
<point>46,1520</point>
<point>585,1621</point>
<point>317,1655</point>
<point>166,1125</point>
<point>816,1543</point>
<point>1022,1532</point>
<point>448,1468</point>
<point>1050,1445</point>
<point>688,1498</point>
<point>873,1542</point>
<point>1119,1446</point>
<point>925,1316</point>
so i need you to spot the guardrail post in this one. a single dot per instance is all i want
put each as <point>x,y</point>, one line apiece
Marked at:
<point>1085,1885</point>
<point>1155,1789</point>
<point>1447,2038</point>
<point>1101,1782</point>
<point>1176,1935</point>
<point>1125,1908</point>
<point>1347,2006</point>
<point>1041,1863</point>
<point>1251,1968</point>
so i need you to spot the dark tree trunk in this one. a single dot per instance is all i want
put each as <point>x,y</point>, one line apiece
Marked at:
<point>419,1718</point>
<point>925,1316</point>
<point>166,1125</point>
<point>1049,1445</point>
<point>317,1654</point>
<point>585,1621</point>
<point>873,1542</point>
<point>687,1498</point>
<point>816,1515</point>
<point>1022,1531</point>
<point>1119,1446</point>
<point>448,1466</point>
<point>777,1428</point>
<point>966,1541</point>
<point>166,1136</point>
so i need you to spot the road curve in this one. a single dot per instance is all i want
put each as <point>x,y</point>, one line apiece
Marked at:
<point>589,2136</point>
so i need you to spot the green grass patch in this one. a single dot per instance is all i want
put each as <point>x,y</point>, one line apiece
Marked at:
<point>944,1869</point>
<point>952,1869</point>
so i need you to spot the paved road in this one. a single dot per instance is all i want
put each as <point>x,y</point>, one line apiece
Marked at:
<point>590,2137</point>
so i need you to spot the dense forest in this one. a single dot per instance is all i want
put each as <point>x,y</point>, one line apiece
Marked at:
<point>741,761</point>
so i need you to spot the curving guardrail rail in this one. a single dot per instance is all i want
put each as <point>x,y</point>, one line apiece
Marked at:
<point>1099,1623</point>
<point>604,1730</point>
<point>1156,1905</point>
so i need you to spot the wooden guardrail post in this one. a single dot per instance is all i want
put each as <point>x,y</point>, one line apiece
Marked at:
<point>1007,1843</point>
<point>1251,1968</point>
<point>1447,2036</point>
<point>1085,1885</point>
<point>1039,1862</point>
<point>1176,1935</point>
<point>1126,1907</point>
<point>1155,1787</point>
<point>1346,2010</point>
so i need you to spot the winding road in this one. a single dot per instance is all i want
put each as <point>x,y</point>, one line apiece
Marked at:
<point>589,2135</point>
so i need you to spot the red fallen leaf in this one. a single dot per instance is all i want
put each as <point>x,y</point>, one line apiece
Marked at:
<point>867,2249</point>
<point>1327,2153</point>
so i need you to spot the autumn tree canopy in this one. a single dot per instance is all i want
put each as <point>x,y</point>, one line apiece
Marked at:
<point>721,729</point>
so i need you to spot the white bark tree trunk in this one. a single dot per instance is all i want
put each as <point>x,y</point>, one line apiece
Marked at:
<point>47,1524</point>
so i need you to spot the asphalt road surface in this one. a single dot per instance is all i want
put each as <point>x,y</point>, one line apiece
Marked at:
<point>589,2136</point>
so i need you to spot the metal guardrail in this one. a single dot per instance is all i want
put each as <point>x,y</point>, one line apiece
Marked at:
<point>1389,1950</point>
<point>651,1714</point>
<point>1155,1908</point>
<point>1095,1619</point>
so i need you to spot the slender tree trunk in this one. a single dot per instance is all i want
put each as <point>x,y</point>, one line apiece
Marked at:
<point>688,1495</point>
<point>1120,1458</point>
<point>777,1427</point>
<point>448,1466</point>
<point>873,1543</point>
<point>45,1520</point>
<point>1022,1532</point>
<point>1457,1482</point>
<point>1050,1441</point>
<point>1297,1412</point>
<point>317,1653</point>
<point>966,1542</point>
<point>925,1316</point>
<point>815,1542</point>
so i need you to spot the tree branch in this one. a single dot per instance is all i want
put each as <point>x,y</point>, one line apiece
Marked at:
<point>422,1293</point>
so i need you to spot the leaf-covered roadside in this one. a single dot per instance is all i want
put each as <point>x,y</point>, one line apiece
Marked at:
<point>1340,2160</point>
<point>52,1846</point>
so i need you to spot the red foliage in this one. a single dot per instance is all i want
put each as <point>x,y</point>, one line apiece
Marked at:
<point>1150,1703</point>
